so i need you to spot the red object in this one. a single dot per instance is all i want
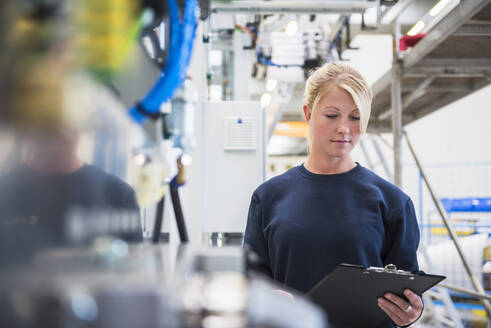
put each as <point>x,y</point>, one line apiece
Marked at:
<point>409,41</point>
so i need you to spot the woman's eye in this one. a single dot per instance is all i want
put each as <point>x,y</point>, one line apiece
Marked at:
<point>355,118</point>
<point>331,116</point>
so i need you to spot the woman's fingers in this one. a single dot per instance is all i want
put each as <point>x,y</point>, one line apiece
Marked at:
<point>400,310</point>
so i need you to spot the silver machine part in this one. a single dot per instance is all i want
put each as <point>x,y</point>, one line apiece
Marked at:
<point>104,287</point>
<point>220,239</point>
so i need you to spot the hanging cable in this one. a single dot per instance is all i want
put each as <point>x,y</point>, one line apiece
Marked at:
<point>178,181</point>
<point>159,219</point>
<point>176,203</point>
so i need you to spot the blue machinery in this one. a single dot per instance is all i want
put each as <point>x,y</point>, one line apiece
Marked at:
<point>174,72</point>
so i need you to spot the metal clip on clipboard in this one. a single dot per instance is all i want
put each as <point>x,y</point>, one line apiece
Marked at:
<point>389,268</point>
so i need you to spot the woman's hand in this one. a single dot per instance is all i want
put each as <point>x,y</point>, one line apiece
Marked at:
<point>399,310</point>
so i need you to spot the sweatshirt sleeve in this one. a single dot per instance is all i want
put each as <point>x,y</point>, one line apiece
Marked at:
<point>402,239</point>
<point>254,237</point>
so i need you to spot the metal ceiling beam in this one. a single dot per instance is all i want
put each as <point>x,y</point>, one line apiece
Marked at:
<point>420,90</point>
<point>423,74</point>
<point>474,30</point>
<point>307,7</point>
<point>409,99</point>
<point>383,125</point>
<point>448,25</point>
<point>379,127</point>
<point>439,67</point>
<point>382,84</point>
<point>441,102</point>
<point>390,14</point>
<point>440,88</point>
<point>477,22</point>
<point>450,65</point>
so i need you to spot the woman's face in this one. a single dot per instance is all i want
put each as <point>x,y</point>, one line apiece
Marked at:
<point>334,124</point>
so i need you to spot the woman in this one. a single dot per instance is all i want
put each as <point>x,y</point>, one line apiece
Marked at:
<point>331,210</point>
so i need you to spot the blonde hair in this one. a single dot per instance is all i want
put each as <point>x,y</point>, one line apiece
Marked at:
<point>339,74</point>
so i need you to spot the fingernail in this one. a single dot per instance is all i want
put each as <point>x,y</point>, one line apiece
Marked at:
<point>407,292</point>
<point>380,300</point>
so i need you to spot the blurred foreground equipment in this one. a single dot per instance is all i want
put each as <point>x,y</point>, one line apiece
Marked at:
<point>116,285</point>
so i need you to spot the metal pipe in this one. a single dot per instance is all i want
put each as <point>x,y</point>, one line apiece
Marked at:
<point>389,15</point>
<point>420,90</point>
<point>396,118</point>
<point>307,7</point>
<point>284,10</point>
<point>443,294</point>
<point>385,142</point>
<point>475,281</point>
<point>367,156</point>
<point>381,156</point>
<point>466,291</point>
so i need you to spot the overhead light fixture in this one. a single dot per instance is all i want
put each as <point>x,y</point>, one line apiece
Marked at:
<point>418,27</point>
<point>265,100</point>
<point>291,27</point>
<point>438,7</point>
<point>271,85</point>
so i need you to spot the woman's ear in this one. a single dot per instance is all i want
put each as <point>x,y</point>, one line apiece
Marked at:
<point>307,113</point>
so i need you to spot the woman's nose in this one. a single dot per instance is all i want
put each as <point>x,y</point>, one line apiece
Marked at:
<point>343,129</point>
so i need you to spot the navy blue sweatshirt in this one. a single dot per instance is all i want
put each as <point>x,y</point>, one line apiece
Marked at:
<point>302,225</point>
<point>49,198</point>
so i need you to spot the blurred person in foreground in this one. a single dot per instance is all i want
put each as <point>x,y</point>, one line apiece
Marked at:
<point>51,184</point>
<point>330,209</point>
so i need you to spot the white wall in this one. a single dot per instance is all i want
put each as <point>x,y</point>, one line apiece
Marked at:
<point>459,132</point>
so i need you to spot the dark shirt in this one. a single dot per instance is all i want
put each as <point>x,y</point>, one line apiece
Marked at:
<point>301,225</point>
<point>35,208</point>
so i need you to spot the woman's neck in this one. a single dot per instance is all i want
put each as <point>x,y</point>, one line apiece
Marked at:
<point>336,165</point>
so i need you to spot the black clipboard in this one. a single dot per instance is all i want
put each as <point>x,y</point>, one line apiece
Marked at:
<point>349,293</point>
